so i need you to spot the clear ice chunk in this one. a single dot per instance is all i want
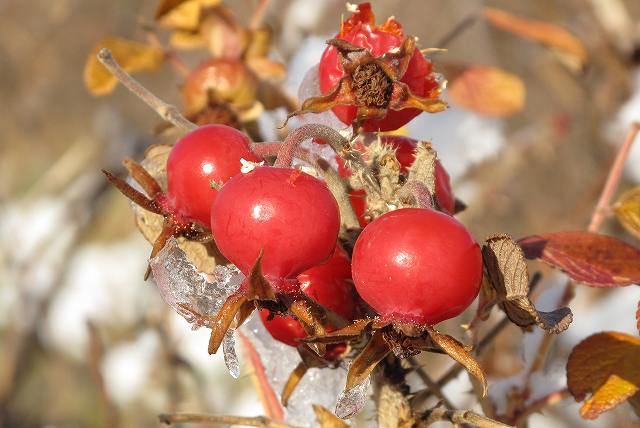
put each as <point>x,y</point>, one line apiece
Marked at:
<point>351,401</point>
<point>195,297</point>
<point>230,355</point>
<point>318,386</point>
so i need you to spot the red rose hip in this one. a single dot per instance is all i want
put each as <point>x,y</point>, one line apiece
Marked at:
<point>417,265</point>
<point>288,214</point>
<point>211,153</point>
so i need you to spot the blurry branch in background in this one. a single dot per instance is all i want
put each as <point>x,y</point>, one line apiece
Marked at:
<point>166,111</point>
<point>95,357</point>
<point>256,421</point>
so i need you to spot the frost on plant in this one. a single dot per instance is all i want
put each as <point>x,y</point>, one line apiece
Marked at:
<point>351,401</point>
<point>318,386</point>
<point>230,356</point>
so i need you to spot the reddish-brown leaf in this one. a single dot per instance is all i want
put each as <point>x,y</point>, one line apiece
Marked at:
<point>589,258</point>
<point>488,90</point>
<point>545,33</point>
<point>606,365</point>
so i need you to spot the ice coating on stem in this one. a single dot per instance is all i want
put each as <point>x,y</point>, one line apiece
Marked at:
<point>190,294</point>
<point>351,401</point>
<point>186,290</point>
<point>318,386</point>
<point>230,356</point>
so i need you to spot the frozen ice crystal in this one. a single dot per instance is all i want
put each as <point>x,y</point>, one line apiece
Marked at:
<point>230,356</point>
<point>318,386</point>
<point>351,401</point>
<point>194,297</point>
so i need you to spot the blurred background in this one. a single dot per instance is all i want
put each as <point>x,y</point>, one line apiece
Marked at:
<point>84,342</point>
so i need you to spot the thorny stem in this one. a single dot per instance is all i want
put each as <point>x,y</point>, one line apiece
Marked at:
<point>254,421</point>
<point>595,224</point>
<point>167,111</point>
<point>339,143</point>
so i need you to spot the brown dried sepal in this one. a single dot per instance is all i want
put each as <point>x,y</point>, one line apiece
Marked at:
<point>509,280</point>
<point>458,352</point>
<point>372,84</point>
<point>153,201</point>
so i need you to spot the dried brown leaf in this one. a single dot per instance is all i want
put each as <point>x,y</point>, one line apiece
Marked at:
<point>488,90</point>
<point>367,360</point>
<point>545,33</point>
<point>326,419</point>
<point>627,211</point>
<point>182,14</point>
<point>606,365</point>
<point>132,56</point>
<point>457,351</point>
<point>508,273</point>
<point>588,258</point>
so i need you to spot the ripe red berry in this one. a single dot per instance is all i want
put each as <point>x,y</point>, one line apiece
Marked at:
<point>360,30</point>
<point>417,265</point>
<point>209,154</point>
<point>328,284</point>
<point>290,215</point>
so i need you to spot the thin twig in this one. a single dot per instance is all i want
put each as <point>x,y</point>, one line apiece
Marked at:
<point>253,421</point>
<point>431,384</point>
<point>95,358</point>
<point>258,14</point>
<point>167,111</point>
<point>548,400</point>
<point>613,179</point>
<point>460,28</point>
<point>457,417</point>
<point>595,224</point>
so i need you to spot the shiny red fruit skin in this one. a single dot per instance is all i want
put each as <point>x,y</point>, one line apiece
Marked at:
<point>378,42</point>
<point>209,153</point>
<point>328,284</point>
<point>417,265</point>
<point>290,215</point>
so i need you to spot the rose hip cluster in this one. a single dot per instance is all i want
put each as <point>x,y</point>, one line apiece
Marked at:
<point>412,264</point>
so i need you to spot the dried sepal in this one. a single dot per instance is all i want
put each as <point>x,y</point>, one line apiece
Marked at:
<point>508,275</point>
<point>258,288</point>
<point>458,352</point>
<point>363,364</point>
<point>326,419</point>
<point>372,84</point>
<point>292,382</point>
<point>221,322</point>
<point>627,211</point>
<point>352,332</point>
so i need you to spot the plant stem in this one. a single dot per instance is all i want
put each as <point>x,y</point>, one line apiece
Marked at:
<point>613,179</point>
<point>595,224</point>
<point>431,384</point>
<point>254,421</point>
<point>167,111</point>
<point>258,14</point>
<point>457,417</point>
